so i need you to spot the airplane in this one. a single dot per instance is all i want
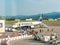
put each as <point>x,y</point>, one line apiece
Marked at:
<point>28,24</point>
<point>24,24</point>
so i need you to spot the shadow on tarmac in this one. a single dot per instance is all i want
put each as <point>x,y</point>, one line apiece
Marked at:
<point>34,41</point>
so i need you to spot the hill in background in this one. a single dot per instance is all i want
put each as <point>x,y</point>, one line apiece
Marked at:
<point>36,16</point>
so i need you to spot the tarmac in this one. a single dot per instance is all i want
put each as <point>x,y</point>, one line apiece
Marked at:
<point>30,41</point>
<point>27,42</point>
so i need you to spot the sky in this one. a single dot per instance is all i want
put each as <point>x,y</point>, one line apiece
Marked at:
<point>28,7</point>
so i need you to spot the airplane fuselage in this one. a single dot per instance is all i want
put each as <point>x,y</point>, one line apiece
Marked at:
<point>20,24</point>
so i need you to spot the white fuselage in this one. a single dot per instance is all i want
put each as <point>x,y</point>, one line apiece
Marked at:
<point>26,23</point>
<point>29,23</point>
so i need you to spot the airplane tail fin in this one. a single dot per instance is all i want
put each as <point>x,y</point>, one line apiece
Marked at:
<point>40,19</point>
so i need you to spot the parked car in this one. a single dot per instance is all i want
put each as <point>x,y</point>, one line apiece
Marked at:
<point>8,29</point>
